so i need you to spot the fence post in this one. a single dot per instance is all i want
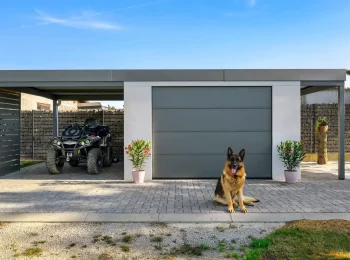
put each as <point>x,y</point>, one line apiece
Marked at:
<point>103,116</point>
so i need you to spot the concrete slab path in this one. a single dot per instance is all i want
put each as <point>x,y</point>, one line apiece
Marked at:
<point>34,195</point>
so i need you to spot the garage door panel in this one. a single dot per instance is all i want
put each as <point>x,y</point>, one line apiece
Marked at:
<point>207,166</point>
<point>9,131</point>
<point>211,97</point>
<point>232,120</point>
<point>168,143</point>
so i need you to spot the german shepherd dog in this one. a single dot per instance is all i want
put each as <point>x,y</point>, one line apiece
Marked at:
<point>229,188</point>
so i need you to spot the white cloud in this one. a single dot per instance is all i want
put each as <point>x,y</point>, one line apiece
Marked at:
<point>82,22</point>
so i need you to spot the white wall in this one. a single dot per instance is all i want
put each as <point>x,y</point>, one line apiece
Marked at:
<point>137,121</point>
<point>285,122</point>
<point>138,115</point>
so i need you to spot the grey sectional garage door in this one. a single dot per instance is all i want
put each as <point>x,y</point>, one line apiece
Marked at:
<point>193,126</point>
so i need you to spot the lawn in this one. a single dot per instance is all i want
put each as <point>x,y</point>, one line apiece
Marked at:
<point>26,163</point>
<point>304,239</point>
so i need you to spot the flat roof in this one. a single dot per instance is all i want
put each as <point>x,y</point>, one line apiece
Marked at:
<point>174,75</point>
<point>108,84</point>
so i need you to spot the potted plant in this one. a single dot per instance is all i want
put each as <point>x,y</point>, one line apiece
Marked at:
<point>138,151</point>
<point>291,154</point>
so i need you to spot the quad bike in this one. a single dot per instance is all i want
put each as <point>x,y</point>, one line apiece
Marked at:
<point>90,143</point>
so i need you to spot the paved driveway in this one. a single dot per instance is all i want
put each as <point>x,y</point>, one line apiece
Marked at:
<point>34,190</point>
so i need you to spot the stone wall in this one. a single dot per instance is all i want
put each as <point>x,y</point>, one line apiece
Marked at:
<point>34,139</point>
<point>309,115</point>
<point>42,132</point>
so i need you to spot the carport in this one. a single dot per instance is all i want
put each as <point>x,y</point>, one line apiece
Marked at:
<point>151,96</point>
<point>55,85</point>
<point>308,87</point>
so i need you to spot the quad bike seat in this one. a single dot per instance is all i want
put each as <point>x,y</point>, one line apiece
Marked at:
<point>92,126</point>
<point>92,122</point>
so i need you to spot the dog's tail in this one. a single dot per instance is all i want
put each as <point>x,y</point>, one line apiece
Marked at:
<point>250,199</point>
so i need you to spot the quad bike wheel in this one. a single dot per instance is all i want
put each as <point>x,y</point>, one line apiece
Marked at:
<point>73,163</point>
<point>53,163</point>
<point>94,161</point>
<point>107,161</point>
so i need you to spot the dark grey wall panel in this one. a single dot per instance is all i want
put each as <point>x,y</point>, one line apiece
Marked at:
<point>284,74</point>
<point>212,120</point>
<point>192,128</point>
<point>187,143</point>
<point>168,75</point>
<point>207,166</point>
<point>10,105</point>
<point>55,75</point>
<point>211,97</point>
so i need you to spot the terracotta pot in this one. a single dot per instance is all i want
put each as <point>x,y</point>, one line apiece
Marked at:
<point>291,176</point>
<point>138,176</point>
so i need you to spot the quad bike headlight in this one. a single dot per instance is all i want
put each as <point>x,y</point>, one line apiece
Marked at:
<point>82,143</point>
<point>87,142</point>
<point>56,142</point>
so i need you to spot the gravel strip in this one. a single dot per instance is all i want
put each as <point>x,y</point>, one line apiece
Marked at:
<point>103,241</point>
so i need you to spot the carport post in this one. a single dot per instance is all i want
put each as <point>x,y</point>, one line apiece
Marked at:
<point>55,118</point>
<point>341,133</point>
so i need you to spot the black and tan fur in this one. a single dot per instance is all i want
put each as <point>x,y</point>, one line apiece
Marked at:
<point>229,188</point>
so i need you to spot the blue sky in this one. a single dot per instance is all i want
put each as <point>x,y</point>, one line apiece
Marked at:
<point>135,34</point>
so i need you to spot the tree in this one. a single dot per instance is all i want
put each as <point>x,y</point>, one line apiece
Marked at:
<point>111,108</point>
<point>348,72</point>
<point>321,131</point>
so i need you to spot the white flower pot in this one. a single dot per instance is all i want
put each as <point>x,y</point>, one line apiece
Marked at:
<point>138,176</point>
<point>291,176</point>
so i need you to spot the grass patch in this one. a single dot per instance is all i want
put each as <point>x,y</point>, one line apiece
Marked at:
<point>232,226</point>
<point>305,239</point>
<point>96,238</point>
<point>105,256</point>
<point>159,224</point>
<point>33,234</point>
<point>168,234</point>
<point>26,163</point>
<point>39,242</point>
<point>204,246</point>
<point>33,251</point>
<point>107,239</point>
<point>125,248</point>
<point>187,249</point>
<point>220,229</point>
<point>222,246</point>
<point>127,238</point>
<point>3,224</point>
<point>232,255</point>
<point>124,233</point>
<point>71,245</point>
<point>158,247</point>
<point>156,239</point>
<point>233,241</point>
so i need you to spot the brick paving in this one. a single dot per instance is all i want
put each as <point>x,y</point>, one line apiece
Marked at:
<point>75,191</point>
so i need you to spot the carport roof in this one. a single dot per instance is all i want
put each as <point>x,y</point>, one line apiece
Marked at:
<point>109,84</point>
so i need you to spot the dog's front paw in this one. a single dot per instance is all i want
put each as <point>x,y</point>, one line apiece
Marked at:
<point>244,210</point>
<point>231,210</point>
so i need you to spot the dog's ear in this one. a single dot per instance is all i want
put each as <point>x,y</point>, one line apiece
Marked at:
<point>229,152</point>
<point>241,154</point>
